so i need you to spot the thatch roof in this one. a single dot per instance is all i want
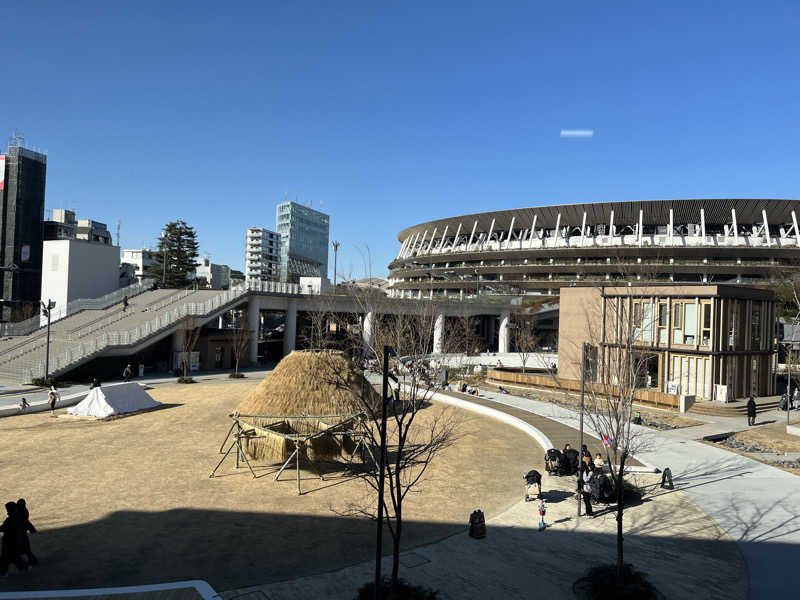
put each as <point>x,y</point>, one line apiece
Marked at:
<point>311,382</point>
<point>314,383</point>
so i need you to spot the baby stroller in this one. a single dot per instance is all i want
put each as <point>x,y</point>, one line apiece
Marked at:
<point>602,490</point>
<point>554,462</point>
<point>533,480</point>
<point>571,460</point>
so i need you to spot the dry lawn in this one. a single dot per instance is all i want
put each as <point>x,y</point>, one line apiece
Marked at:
<point>129,501</point>
<point>772,436</point>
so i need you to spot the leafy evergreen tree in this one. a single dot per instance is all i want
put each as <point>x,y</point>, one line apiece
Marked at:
<point>178,242</point>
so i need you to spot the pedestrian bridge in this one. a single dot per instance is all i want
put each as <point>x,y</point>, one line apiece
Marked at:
<point>113,330</point>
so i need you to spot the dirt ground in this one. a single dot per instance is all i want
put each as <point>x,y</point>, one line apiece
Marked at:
<point>129,501</point>
<point>771,437</point>
<point>655,419</point>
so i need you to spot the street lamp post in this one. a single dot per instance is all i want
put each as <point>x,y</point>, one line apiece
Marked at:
<point>580,435</point>
<point>335,245</point>
<point>47,310</point>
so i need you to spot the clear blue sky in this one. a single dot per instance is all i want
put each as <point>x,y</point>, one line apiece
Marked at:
<point>389,114</point>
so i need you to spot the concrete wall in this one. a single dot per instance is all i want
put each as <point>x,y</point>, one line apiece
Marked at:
<point>73,269</point>
<point>580,321</point>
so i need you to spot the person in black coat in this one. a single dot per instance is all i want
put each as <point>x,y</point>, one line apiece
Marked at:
<point>24,526</point>
<point>584,488</point>
<point>751,411</point>
<point>9,549</point>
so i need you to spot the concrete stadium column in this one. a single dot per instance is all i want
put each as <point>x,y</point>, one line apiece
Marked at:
<point>438,333</point>
<point>368,331</point>
<point>490,331</point>
<point>290,329</point>
<point>503,341</point>
<point>253,309</point>
<point>178,340</point>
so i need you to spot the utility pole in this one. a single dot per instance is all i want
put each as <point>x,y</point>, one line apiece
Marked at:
<point>580,435</point>
<point>46,312</point>
<point>335,245</point>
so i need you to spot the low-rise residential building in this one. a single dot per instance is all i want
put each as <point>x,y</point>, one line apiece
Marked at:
<point>140,258</point>
<point>714,342</point>
<point>64,226</point>
<point>212,276</point>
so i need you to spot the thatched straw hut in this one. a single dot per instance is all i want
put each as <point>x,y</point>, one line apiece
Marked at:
<point>317,383</point>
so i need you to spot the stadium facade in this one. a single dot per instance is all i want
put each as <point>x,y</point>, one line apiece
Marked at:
<point>540,249</point>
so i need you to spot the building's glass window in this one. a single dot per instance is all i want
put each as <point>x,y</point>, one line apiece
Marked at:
<point>677,323</point>
<point>705,331</point>
<point>663,320</point>
<point>637,320</point>
<point>689,324</point>
<point>755,321</point>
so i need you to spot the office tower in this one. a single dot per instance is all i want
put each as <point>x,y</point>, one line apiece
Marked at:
<point>22,189</point>
<point>304,241</point>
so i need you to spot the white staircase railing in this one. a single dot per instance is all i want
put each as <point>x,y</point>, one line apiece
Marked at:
<point>79,352</point>
<point>59,312</point>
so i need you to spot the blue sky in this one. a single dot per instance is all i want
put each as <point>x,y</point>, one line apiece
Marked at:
<point>388,114</point>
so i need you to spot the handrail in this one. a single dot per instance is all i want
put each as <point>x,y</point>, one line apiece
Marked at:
<point>30,325</point>
<point>136,335</point>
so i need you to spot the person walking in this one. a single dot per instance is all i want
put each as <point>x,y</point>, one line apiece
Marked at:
<point>751,412</point>
<point>796,398</point>
<point>127,374</point>
<point>52,398</point>
<point>24,526</point>
<point>23,404</point>
<point>584,488</point>
<point>9,548</point>
<point>124,303</point>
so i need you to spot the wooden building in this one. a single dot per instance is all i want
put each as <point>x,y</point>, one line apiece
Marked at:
<point>700,340</point>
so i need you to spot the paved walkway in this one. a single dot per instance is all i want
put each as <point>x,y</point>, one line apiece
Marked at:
<point>753,503</point>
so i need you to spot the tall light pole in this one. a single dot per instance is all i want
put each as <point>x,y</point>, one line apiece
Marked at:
<point>580,435</point>
<point>164,258</point>
<point>46,312</point>
<point>335,245</point>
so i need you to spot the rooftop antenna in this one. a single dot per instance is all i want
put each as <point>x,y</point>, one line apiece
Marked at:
<point>118,225</point>
<point>17,139</point>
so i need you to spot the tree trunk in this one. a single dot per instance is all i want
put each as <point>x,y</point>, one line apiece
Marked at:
<point>396,545</point>
<point>620,511</point>
<point>236,370</point>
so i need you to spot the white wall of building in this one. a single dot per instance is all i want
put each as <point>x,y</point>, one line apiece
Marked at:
<point>73,269</point>
<point>140,258</point>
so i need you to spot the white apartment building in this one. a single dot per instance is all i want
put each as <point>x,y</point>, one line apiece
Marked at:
<point>262,255</point>
<point>216,277</point>
<point>140,258</point>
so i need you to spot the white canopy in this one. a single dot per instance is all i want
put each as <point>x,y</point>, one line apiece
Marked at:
<point>113,400</point>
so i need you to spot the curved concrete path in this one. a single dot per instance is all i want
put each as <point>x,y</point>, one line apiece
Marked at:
<point>757,505</point>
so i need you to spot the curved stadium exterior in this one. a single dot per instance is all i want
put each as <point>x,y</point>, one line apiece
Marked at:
<point>540,249</point>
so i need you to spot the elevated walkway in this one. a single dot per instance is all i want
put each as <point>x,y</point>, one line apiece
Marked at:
<point>85,335</point>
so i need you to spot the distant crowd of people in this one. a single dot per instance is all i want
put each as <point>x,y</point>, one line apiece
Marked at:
<point>16,546</point>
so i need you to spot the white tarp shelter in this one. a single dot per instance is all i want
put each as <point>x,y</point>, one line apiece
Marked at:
<point>113,400</point>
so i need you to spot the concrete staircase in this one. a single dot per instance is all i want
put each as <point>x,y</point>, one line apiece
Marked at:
<point>80,337</point>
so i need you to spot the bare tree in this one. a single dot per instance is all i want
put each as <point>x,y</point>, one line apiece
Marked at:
<point>615,368</point>
<point>191,335</point>
<point>240,337</point>
<point>523,336</point>
<point>412,444</point>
